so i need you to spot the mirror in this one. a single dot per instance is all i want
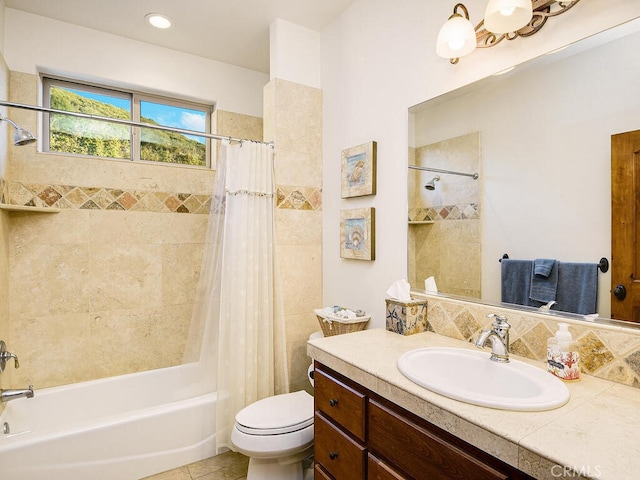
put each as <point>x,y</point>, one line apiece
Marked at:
<point>543,155</point>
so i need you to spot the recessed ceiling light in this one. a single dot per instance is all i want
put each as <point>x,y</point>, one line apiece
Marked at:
<point>158,21</point>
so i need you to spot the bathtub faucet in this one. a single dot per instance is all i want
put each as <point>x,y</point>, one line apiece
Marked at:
<point>6,395</point>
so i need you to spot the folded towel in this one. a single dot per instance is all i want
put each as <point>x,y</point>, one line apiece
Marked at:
<point>516,281</point>
<point>543,266</point>
<point>544,285</point>
<point>577,287</point>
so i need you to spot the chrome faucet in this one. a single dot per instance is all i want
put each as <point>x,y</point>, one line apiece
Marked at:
<point>6,356</point>
<point>499,336</point>
<point>6,395</point>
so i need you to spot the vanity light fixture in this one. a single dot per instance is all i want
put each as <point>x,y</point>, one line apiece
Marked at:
<point>503,19</point>
<point>157,20</point>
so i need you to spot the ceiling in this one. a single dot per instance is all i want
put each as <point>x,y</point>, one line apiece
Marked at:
<point>229,31</point>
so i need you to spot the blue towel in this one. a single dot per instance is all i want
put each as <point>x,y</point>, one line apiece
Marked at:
<point>544,280</point>
<point>516,281</point>
<point>577,287</point>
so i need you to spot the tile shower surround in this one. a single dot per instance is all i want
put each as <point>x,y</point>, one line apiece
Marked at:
<point>98,198</point>
<point>606,351</point>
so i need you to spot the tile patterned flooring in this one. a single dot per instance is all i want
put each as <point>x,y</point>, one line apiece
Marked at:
<point>226,466</point>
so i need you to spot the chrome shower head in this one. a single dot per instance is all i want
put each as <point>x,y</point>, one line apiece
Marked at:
<point>431,184</point>
<point>21,136</point>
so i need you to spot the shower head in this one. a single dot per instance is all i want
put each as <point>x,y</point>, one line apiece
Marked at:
<point>431,184</point>
<point>21,136</point>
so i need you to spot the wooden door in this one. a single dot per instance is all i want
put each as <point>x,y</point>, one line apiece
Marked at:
<point>625,226</point>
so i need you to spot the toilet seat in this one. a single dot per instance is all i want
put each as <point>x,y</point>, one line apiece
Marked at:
<point>277,415</point>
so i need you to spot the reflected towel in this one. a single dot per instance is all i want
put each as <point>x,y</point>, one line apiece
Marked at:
<point>516,281</point>
<point>577,287</point>
<point>544,280</point>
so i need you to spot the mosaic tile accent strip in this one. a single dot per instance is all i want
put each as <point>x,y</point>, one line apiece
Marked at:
<point>469,211</point>
<point>98,198</point>
<point>609,352</point>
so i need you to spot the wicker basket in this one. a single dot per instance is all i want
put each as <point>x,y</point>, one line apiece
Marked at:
<point>337,326</point>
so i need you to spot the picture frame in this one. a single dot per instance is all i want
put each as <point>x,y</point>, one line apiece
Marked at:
<point>357,234</point>
<point>358,170</point>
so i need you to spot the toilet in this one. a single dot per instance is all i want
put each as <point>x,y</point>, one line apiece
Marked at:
<point>276,433</point>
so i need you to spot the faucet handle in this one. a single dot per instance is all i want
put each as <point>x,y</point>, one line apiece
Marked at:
<point>500,322</point>
<point>5,355</point>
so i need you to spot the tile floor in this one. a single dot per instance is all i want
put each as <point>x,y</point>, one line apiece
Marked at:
<point>226,466</point>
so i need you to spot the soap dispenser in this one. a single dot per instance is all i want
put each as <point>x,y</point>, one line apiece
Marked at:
<point>563,357</point>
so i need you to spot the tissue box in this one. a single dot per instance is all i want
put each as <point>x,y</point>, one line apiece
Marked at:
<point>406,318</point>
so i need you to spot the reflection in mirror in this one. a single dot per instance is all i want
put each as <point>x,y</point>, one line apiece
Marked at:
<point>544,157</point>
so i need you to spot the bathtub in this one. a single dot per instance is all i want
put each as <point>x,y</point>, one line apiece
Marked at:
<point>119,428</point>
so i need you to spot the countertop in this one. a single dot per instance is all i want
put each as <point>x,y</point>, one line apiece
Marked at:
<point>595,435</point>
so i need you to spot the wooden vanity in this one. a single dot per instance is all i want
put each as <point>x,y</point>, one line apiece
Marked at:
<point>372,423</point>
<point>362,436</point>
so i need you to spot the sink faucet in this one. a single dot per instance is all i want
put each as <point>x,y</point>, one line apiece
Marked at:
<point>499,336</point>
<point>6,395</point>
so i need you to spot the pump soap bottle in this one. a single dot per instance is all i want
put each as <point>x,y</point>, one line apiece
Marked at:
<point>563,357</point>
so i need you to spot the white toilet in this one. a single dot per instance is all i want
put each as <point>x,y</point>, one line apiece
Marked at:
<point>276,433</point>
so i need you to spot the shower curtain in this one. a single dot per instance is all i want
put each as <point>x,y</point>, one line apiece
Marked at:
<point>239,310</point>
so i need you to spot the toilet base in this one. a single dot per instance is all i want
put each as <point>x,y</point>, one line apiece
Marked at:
<point>271,469</point>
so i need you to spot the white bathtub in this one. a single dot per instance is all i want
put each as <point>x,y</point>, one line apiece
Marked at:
<point>120,428</point>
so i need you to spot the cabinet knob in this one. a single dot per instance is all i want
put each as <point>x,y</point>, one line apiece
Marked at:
<point>333,455</point>
<point>333,402</point>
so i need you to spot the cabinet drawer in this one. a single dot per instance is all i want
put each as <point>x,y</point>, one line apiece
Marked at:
<point>320,474</point>
<point>421,453</point>
<point>340,402</point>
<point>378,470</point>
<point>340,455</point>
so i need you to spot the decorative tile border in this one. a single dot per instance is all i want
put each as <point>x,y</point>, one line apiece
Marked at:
<point>468,211</point>
<point>99,198</point>
<point>609,352</point>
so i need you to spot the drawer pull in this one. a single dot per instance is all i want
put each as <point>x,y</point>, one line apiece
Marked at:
<point>333,455</point>
<point>333,402</point>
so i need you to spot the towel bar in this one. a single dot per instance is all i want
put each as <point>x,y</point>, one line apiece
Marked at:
<point>603,264</point>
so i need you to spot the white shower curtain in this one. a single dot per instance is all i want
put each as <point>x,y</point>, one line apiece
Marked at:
<point>239,309</point>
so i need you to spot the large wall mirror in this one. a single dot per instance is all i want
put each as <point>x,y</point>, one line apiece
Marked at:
<point>540,139</point>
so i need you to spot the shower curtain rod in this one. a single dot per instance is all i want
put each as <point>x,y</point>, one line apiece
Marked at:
<point>437,170</point>
<point>131,123</point>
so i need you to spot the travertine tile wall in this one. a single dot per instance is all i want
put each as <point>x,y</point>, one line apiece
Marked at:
<point>5,377</point>
<point>106,286</point>
<point>611,351</point>
<point>293,118</point>
<point>448,248</point>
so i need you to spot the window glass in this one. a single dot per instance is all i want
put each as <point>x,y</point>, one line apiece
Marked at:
<point>163,146</point>
<point>85,136</point>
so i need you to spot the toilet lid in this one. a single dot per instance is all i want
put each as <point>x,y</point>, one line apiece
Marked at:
<point>277,415</point>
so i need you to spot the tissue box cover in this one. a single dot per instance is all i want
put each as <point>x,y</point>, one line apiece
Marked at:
<point>406,318</point>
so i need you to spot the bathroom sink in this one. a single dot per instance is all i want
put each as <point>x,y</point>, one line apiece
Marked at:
<point>470,377</point>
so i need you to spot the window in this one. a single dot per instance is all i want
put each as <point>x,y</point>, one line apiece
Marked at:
<point>86,136</point>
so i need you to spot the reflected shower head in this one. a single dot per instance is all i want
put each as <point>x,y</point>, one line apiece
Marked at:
<point>431,184</point>
<point>21,136</point>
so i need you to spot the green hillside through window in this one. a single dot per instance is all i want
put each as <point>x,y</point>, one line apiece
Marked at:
<point>99,138</point>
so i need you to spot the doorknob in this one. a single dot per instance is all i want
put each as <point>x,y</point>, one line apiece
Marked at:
<point>620,292</point>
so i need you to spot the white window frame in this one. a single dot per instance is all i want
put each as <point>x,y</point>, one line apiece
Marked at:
<point>135,98</point>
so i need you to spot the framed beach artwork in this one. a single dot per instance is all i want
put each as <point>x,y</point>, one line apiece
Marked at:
<point>359,170</point>
<point>357,233</point>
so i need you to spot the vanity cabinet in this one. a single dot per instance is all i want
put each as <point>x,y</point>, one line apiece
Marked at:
<point>362,436</point>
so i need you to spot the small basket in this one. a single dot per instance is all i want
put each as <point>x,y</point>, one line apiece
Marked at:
<point>337,326</point>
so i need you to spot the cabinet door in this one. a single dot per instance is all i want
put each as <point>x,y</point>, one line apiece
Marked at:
<point>420,452</point>
<point>339,402</point>
<point>340,455</point>
<point>378,470</point>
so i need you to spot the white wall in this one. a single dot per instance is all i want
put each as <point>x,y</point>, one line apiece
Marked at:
<point>294,53</point>
<point>378,59</point>
<point>34,43</point>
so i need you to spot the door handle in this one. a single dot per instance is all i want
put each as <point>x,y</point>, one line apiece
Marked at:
<point>620,292</point>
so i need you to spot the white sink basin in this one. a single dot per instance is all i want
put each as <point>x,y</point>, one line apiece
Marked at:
<point>469,376</point>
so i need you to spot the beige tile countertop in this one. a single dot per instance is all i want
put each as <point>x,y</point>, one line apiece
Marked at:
<point>595,435</point>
